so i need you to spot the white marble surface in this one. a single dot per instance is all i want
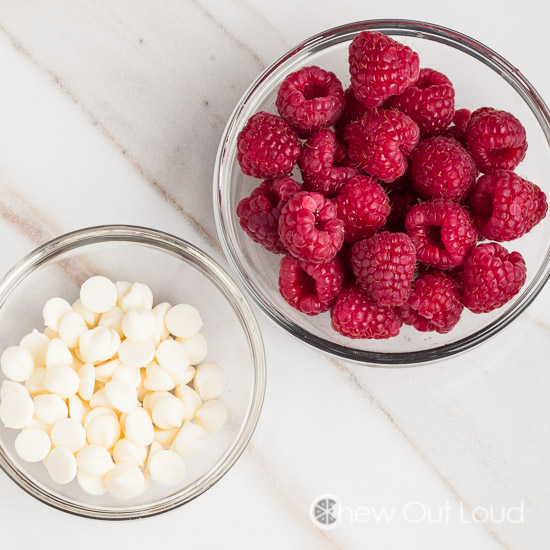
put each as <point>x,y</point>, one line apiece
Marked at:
<point>111,112</point>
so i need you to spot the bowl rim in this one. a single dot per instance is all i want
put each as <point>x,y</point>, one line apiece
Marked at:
<point>399,27</point>
<point>232,293</point>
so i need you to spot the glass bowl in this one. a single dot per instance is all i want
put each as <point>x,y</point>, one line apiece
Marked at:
<point>481,78</point>
<point>176,271</point>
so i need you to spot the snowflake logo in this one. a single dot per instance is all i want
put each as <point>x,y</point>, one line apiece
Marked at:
<point>323,511</point>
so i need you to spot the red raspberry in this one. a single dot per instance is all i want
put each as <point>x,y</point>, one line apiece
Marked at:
<point>400,204</point>
<point>321,163</point>
<point>309,228</point>
<point>344,255</point>
<point>434,304</point>
<point>259,213</point>
<point>506,206</point>
<point>442,232</point>
<point>430,102</point>
<point>496,140</point>
<point>353,110</point>
<point>310,99</point>
<point>363,206</point>
<point>380,67</point>
<point>310,288</point>
<point>491,276</point>
<point>267,146</point>
<point>461,118</point>
<point>384,267</point>
<point>442,168</point>
<point>355,315</point>
<point>381,142</point>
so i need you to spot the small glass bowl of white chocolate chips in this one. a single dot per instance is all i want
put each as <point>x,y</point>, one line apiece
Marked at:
<point>114,392</point>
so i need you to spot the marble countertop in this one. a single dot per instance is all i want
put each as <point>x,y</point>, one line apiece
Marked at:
<point>111,112</point>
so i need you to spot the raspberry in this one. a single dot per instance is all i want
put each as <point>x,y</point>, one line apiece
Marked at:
<point>434,304</point>
<point>491,276</point>
<point>429,102</point>
<point>355,315</point>
<point>308,287</point>
<point>442,232</point>
<point>506,206</point>
<point>384,267</point>
<point>496,140</point>
<point>259,213</point>
<point>442,168</point>
<point>310,99</point>
<point>267,146</point>
<point>363,206</point>
<point>321,163</point>
<point>353,110</point>
<point>381,142</point>
<point>344,255</point>
<point>461,118</point>
<point>380,67</point>
<point>400,204</point>
<point>309,228</point>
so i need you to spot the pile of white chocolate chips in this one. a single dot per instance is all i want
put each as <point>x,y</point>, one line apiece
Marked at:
<point>109,393</point>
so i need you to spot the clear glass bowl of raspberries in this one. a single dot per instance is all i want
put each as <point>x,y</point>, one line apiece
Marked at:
<point>381,192</point>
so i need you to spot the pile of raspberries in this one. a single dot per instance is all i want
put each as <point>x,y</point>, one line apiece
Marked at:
<point>404,199</point>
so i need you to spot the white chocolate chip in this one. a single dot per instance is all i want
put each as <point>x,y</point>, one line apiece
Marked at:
<point>209,380</point>
<point>72,326</point>
<point>98,411</point>
<point>122,396</point>
<point>125,481</point>
<point>127,450</point>
<point>61,465</point>
<point>153,450</point>
<point>68,433</point>
<point>17,363</point>
<point>93,485</point>
<point>183,320</point>
<point>8,386</point>
<point>36,344</point>
<point>167,468</point>
<point>78,409</point>
<point>211,415</point>
<point>112,319</point>
<point>38,425</point>
<point>35,384</point>
<point>103,430</point>
<point>127,375</point>
<point>172,357</point>
<point>58,354</point>
<point>152,398</point>
<point>168,412</point>
<point>191,399</point>
<point>32,445</point>
<point>166,437</point>
<point>112,348</point>
<point>122,288</point>
<point>138,426</point>
<point>161,332</point>
<point>86,377</point>
<point>157,379</point>
<point>100,399</point>
<point>104,371</point>
<point>94,344</point>
<point>50,334</point>
<point>53,312</point>
<point>90,318</point>
<point>140,295</point>
<point>16,410</point>
<point>94,460</point>
<point>50,408</point>
<point>139,324</point>
<point>183,377</point>
<point>62,380</point>
<point>136,354</point>
<point>195,346</point>
<point>190,441</point>
<point>98,294</point>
